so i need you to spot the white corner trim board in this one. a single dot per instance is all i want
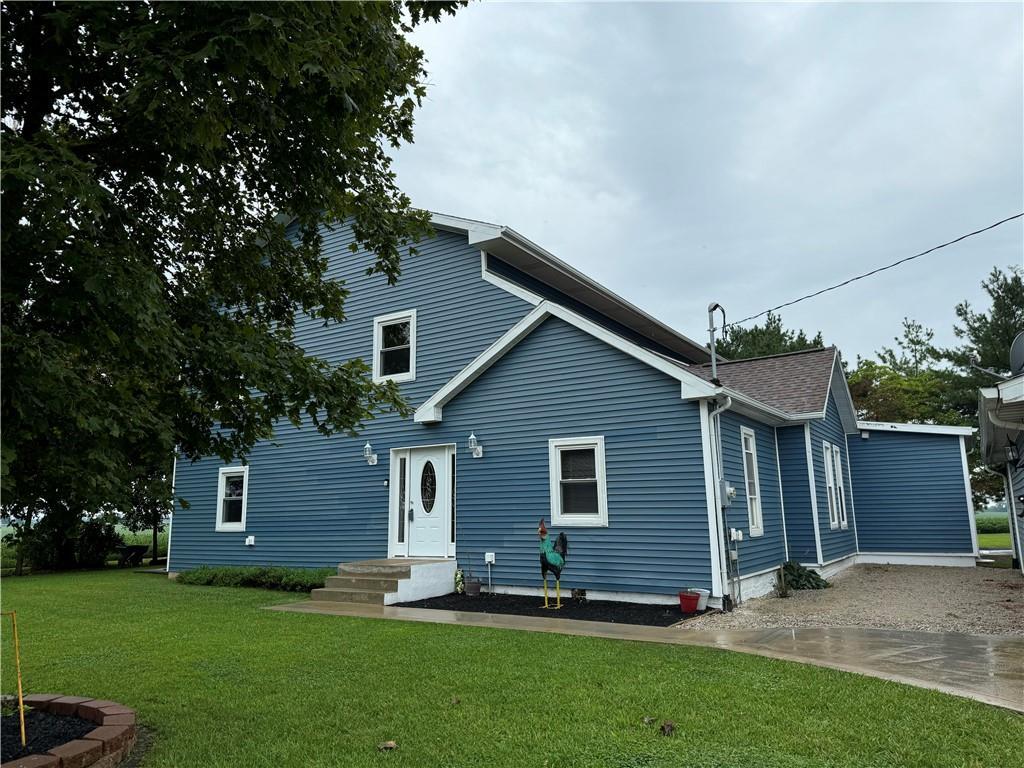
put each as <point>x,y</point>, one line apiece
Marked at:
<point>814,491</point>
<point>715,534</point>
<point>970,496</point>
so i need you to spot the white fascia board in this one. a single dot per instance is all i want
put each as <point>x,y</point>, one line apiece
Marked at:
<point>476,231</point>
<point>431,410</point>
<point>844,400</point>
<point>928,429</point>
<point>1011,391</point>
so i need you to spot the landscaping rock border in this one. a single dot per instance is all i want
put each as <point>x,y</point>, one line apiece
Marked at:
<point>105,746</point>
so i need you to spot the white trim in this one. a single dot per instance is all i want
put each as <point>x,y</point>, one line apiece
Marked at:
<point>832,567</point>
<point>853,509</point>
<point>715,534</point>
<point>757,530</point>
<point>847,411</point>
<point>835,560</point>
<point>814,491</point>
<point>170,519</point>
<point>970,498</point>
<point>401,549</point>
<point>390,319</point>
<point>221,475</point>
<point>782,500</point>
<point>902,558</point>
<point>507,285</point>
<point>829,465</point>
<point>431,410</point>
<point>840,481</point>
<point>560,519</point>
<point>932,429</point>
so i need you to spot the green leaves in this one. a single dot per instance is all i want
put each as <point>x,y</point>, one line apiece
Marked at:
<point>150,288</point>
<point>768,339</point>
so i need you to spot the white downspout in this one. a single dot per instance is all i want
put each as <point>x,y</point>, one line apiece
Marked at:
<point>717,471</point>
<point>170,520</point>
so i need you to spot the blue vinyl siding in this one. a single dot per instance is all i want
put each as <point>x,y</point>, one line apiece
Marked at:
<point>762,552</point>
<point>561,382</point>
<point>910,495</point>
<point>835,542</point>
<point>312,500</point>
<point>796,491</point>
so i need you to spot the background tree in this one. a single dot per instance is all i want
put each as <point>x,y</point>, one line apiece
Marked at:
<point>922,382</point>
<point>768,339</point>
<point>151,504</point>
<point>149,290</point>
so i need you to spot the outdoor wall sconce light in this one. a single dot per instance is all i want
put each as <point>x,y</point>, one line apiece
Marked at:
<point>368,454</point>
<point>475,448</point>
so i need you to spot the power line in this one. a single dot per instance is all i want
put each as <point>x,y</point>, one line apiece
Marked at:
<point>875,271</point>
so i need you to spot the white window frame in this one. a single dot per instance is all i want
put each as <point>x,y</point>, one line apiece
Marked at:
<point>378,337</point>
<point>222,475</point>
<point>555,447</point>
<point>830,484</point>
<point>837,457</point>
<point>755,513</point>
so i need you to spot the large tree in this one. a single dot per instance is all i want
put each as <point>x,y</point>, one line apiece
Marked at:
<point>919,381</point>
<point>771,338</point>
<point>149,285</point>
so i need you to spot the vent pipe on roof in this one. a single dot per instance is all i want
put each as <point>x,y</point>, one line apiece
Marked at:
<point>711,331</point>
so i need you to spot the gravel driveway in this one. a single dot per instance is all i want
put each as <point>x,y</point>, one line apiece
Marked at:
<point>927,598</point>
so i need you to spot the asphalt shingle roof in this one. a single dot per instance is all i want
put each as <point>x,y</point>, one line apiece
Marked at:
<point>796,382</point>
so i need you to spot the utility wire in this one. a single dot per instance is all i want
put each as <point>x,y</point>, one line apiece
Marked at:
<point>875,271</point>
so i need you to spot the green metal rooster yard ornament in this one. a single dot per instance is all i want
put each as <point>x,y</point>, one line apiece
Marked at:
<point>552,558</point>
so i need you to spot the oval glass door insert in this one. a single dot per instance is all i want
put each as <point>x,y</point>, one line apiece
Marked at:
<point>428,486</point>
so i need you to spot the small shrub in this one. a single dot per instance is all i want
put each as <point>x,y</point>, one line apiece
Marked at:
<point>260,576</point>
<point>991,523</point>
<point>798,577</point>
<point>781,585</point>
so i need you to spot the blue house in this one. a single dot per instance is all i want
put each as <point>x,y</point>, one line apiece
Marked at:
<point>540,394</point>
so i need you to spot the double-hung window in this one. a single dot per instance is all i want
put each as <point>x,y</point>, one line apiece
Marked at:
<point>394,347</point>
<point>833,459</point>
<point>579,494</point>
<point>751,482</point>
<point>232,490</point>
<point>840,491</point>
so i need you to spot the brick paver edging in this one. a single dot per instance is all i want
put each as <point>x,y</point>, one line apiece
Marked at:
<point>103,747</point>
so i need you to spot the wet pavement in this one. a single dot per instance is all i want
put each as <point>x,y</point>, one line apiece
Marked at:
<point>988,668</point>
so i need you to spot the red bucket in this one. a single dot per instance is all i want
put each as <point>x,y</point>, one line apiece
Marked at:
<point>688,601</point>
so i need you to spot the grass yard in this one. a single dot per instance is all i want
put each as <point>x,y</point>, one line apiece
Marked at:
<point>994,540</point>
<point>223,683</point>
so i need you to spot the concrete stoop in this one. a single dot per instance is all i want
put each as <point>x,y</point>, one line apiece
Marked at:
<point>385,582</point>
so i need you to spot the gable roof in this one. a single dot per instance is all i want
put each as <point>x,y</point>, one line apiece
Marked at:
<point>528,257</point>
<point>796,382</point>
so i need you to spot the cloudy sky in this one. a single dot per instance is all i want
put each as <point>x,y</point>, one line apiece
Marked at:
<point>683,153</point>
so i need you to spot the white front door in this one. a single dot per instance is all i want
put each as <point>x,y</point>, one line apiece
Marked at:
<point>429,500</point>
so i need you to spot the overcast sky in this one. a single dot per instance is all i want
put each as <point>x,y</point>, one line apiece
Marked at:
<point>683,153</point>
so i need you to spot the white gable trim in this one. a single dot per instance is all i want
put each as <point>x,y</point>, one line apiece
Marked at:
<point>430,412</point>
<point>844,400</point>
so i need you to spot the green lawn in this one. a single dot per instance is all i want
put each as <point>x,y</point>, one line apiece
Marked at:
<point>994,540</point>
<point>223,683</point>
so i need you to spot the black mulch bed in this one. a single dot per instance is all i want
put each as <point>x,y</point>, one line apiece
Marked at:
<point>590,610</point>
<point>43,732</point>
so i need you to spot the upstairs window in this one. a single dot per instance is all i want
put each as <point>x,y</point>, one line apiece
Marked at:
<point>394,347</point>
<point>232,489</point>
<point>579,494</point>
<point>751,482</point>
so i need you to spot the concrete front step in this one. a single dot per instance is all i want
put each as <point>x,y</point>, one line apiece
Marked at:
<point>334,595</point>
<point>367,583</point>
<point>386,569</point>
